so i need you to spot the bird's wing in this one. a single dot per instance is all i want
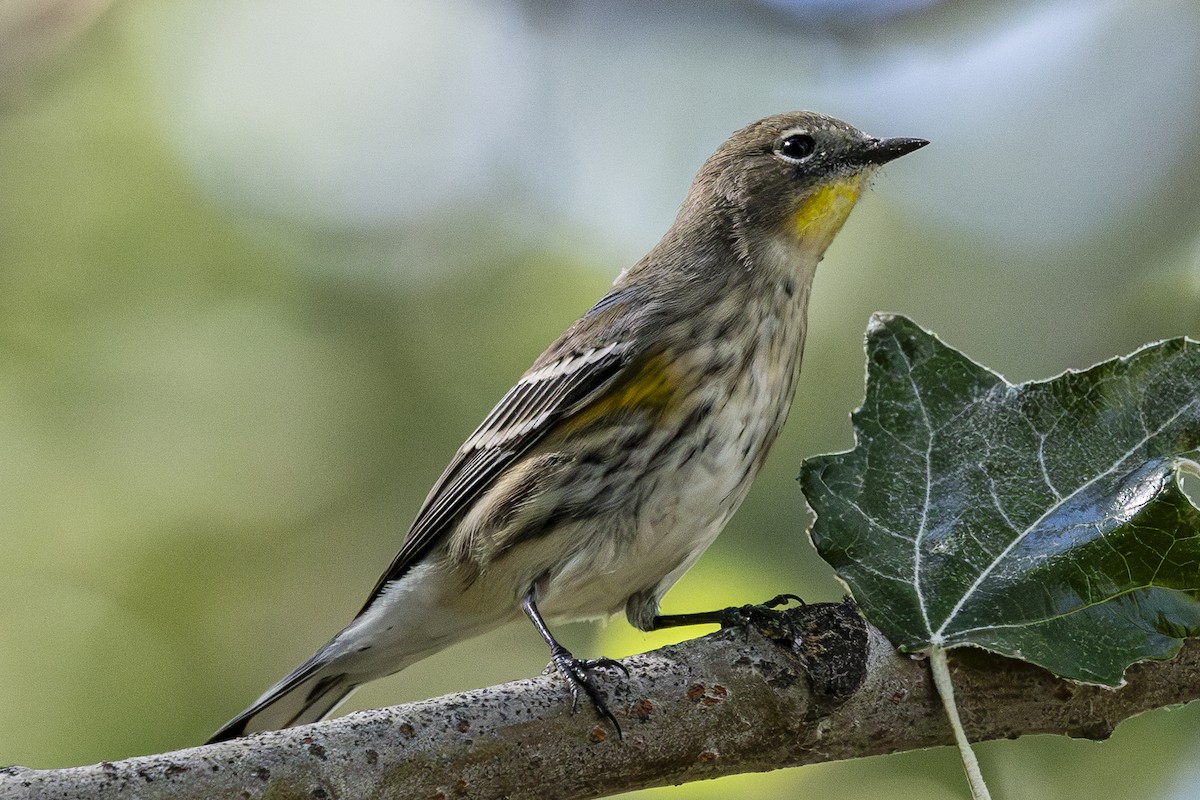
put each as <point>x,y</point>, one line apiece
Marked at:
<point>552,389</point>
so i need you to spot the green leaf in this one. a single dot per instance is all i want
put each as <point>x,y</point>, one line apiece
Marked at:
<point>1044,521</point>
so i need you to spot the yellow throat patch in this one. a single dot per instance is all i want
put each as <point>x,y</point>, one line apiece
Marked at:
<point>822,215</point>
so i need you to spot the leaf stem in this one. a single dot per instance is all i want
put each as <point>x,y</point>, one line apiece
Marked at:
<point>945,688</point>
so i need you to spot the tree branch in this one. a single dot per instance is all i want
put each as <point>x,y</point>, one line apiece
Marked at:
<point>797,687</point>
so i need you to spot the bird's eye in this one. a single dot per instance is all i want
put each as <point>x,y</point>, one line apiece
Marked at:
<point>795,147</point>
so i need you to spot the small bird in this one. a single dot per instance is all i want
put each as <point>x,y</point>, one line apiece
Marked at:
<point>617,458</point>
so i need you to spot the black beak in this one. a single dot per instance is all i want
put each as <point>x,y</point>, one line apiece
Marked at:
<point>881,151</point>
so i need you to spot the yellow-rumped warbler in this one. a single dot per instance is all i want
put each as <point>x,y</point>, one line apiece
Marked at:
<point>611,465</point>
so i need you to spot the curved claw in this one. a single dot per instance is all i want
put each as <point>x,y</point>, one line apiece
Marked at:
<point>606,663</point>
<point>577,673</point>
<point>732,617</point>
<point>763,615</point>
<point>783,599</point>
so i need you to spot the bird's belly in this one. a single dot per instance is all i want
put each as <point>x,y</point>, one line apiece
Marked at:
<point>670,517</point>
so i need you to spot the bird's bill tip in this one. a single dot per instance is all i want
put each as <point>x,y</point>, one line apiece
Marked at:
<point>881,151</point>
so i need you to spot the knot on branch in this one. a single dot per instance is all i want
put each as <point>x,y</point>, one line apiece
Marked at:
<point>829,640</point>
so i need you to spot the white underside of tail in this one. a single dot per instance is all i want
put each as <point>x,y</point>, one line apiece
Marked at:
<point>417,616</point>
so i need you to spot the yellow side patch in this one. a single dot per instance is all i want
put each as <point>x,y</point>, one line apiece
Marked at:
<point>651,389</point>
<point>821,216</point>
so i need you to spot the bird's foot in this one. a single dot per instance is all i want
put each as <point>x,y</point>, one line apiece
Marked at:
<point>578,675</point>
<point>765,617</point>
<point>734,617</point>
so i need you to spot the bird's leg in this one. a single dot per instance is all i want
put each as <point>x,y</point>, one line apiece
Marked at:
<point>726,617</point>
<point>576,672</point>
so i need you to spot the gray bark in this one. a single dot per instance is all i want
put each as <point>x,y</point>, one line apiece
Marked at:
<point>797,687</point>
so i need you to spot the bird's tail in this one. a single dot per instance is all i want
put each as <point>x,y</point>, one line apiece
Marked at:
<point>309,693</point>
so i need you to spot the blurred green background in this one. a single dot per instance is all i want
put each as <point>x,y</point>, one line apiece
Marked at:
<point>264,264</point>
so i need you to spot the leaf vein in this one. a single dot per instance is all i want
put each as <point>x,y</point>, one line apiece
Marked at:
<point>938,635</point>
